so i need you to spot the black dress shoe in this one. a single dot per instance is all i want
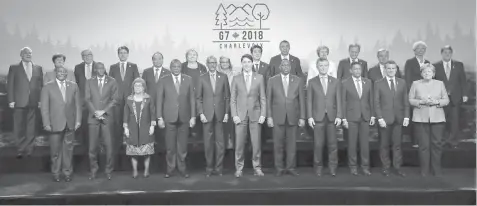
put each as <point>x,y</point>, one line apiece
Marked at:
<point>293,173</point>
<point>19,155</point>
<point>318,172</point>
<point>385,172</point>
<point>400,173</point>
<point>208,174</point>
<point>68,179</point>
<point>185,175</point>
<point>56,179</point>
<point>92,177</point>
<point>109,176</point>
<point>333,172</point>
<point>279,173</point>
<point>354,172</point>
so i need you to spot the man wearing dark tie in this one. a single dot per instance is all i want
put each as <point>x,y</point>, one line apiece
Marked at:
<point>248,108</point>
<point>24,83</point>
<point>83,72</point>
<point>358,113</point>
<point>452,73</point>
<point>101,96</point>
<point>345,64</point>
<point>286,110</point>
<point>213,105</point>
<point>175,102</point>
<point>61,115</point>
<point>412,72</point>
<point>152,76</point>
<point>285,54</point>
<point>324,115</point>
<point>391,105</point>
<point>379,71</point>
<point>124,73</point>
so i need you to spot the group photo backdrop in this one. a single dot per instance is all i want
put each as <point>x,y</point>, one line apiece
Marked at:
<point>230,28</point>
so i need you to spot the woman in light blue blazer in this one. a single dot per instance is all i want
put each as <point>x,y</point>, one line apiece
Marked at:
<point>428,97</point>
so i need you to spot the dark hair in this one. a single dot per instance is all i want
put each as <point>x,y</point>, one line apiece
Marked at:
<point>447,47</point>
<point>322,60</point>
<point>284,41</point>
<point>123,47</point>
<point>97,64</point>
<point>175,61</point>
<point>356,63</point>
<point>247,56</point>
<point>157,53</point>
<point>56,56</point>
<point>354,45</point>
<point>256,47</point>
<point>390,62</point>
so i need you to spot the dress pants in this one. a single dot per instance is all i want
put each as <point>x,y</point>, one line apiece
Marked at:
<point>83,131</point>
<point>241,139</point>
<point>118,130</point>
<point>358,132</point>
<point>452,112</point>
<point>229,132</point>
<point>391,135</point>
<point>97,131</point>
<point>177,134</point>
<point>325,130</point>
<point>61,152</point>
<point>284,140</point>
<point>24,128</point>
<point>430,146</point>
<point>214,142</point>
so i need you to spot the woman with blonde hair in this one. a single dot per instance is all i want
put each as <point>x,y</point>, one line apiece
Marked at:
<point>428,97</point>
<point>139,121</point>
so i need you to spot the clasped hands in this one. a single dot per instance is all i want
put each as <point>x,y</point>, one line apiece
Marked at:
<point>429,102</point>
<point>98,114</point>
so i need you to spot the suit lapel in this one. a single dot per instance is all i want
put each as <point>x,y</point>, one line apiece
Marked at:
<point>68,92</point>
<point>452,71</point>
<point>182,87</point>
<point>352,85</point>
<point>207,79</point>
<point>57,91</point>
<point>282,87</point>
<point>24,71</point>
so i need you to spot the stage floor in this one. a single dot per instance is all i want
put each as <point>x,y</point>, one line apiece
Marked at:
<point>457,186</point>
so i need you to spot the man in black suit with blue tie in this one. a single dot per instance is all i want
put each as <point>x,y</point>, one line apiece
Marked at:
<point>452,73</point>
<point>25,81</point>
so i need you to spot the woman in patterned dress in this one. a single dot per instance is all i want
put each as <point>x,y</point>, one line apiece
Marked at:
<point>225,66</point>
<point>139,122</point>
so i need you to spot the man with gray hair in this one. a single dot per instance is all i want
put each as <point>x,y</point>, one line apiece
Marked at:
<point>379,70</point>
<point>25,81</point>
<point>213,105</point>
<point>412,72</point>
<point>345,64</point>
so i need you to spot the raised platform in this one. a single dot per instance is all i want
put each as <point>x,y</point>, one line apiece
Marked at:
<point>456,187</point>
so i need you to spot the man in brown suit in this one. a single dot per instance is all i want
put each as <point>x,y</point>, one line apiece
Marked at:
<point>175,102</point>
<point>248,106</point>
<point>101,96</point>
<point>61,114</point>
<point>24,84</point>
<point>324,115</point>
<point>357,99</point>
<point>213,105</point>
<point>391,104</point>
<point>286,110</point>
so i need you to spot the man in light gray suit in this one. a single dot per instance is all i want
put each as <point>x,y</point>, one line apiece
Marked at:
<point>247,104</point>
<point>61,113</point>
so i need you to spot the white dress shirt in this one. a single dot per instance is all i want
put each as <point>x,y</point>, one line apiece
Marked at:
<point>88,71</point>
<point>28,66</point>
<point>286,57</point>
<point>383,70</point>
<point>389,82</point>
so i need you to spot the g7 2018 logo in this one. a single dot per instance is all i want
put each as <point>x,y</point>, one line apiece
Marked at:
<point>241,26</point>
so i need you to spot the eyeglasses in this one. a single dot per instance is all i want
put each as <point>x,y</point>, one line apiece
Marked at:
<point>211,62</point>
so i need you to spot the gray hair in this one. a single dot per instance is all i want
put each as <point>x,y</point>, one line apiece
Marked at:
<point>382,50</point>
<point>321,48</point>
<point>210,58</point>
<point>428,66</point>
<point>418,43</point>
<point>24,49</point>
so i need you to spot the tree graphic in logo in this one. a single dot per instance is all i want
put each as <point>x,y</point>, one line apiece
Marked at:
<point>221,16</point>
<point>260,12</point>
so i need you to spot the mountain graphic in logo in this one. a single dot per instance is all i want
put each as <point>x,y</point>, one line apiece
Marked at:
<point>241,17</point>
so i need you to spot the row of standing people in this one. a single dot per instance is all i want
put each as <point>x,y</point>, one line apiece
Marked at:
<point>85,70</point>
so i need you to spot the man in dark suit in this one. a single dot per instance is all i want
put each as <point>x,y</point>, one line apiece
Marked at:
<point>61,115</point>
<point>275,61</point>
<point>412,72</point>
<point>357,99</point>
<point>391,105</point>
<point>379,71</point>
<point>248,108</point>
<point>83,72</point>
<point>24,84</point>
<point>152,76</point>
<point>124,73</point>
<point>263,69</point>
<point>101,96</point>
<point>452,73</point>
<point>345,64</point>
<point>286,110</point>
<point>324,115</point>
<point>175,102</point>
<point>213,105</point>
